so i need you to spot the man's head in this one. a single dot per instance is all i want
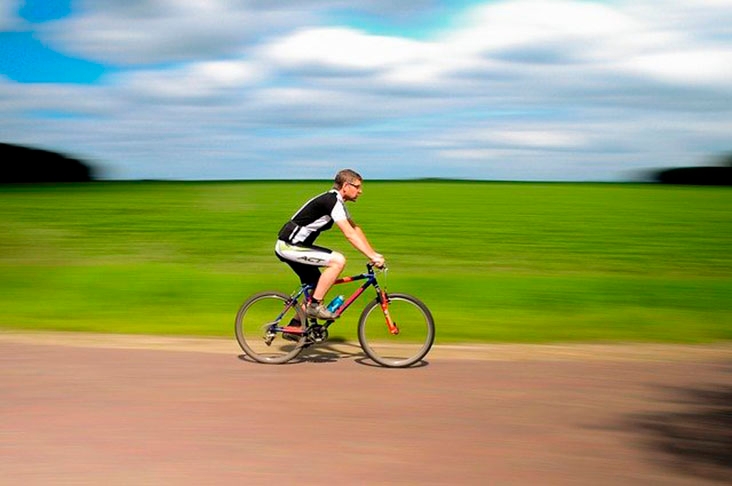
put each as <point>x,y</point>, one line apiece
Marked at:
<point>348,182</point>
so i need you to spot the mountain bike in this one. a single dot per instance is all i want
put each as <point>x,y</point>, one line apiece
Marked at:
<point>394,330</point>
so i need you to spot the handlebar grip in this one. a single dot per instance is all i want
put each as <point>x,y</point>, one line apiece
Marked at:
<point>370,267</point>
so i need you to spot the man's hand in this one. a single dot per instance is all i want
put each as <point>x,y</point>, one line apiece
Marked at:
<point>378,260</point>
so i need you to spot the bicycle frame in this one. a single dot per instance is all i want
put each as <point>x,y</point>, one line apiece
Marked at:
<point>370,277</point>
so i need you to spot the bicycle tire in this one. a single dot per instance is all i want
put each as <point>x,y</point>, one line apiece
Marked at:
<point>416,332</point>
<point>253,321</point>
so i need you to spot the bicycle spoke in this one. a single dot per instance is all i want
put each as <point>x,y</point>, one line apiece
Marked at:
<point>410,344</point>
<point>259,336</point>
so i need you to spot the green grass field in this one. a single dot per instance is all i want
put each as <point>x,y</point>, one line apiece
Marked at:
<point>522,262</point>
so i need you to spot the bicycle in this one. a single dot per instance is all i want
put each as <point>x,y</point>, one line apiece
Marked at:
<point>398,336</point>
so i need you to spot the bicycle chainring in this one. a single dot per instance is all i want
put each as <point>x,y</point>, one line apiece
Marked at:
<point>317,334</point>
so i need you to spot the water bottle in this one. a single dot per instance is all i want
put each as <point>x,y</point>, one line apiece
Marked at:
<point>335,303</point>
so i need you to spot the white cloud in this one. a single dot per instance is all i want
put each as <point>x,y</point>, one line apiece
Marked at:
<point>164,30</point>
<point>154,31</point>
<point>538,138</point>
<point>69,99</point>
<point>501,25</point>
<point>193,81</point>
<point>514,89</point>
<point>342,48</point>
<point>9,19</point>
<point>686,67</point>
<point>519,40</point>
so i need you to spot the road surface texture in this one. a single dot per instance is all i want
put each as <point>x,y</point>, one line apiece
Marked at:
<point>122,410</point>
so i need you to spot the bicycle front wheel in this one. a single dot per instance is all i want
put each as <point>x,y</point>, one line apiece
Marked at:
<point>412,343</point>
<point>259,324</point>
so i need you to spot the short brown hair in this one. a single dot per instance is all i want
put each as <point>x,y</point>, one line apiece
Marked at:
<point>345,176</point>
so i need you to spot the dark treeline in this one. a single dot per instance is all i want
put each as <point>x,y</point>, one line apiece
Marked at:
<point>719,175</point>
<point>19,164</point>
<point>701,176</point>
<point>28,165</point>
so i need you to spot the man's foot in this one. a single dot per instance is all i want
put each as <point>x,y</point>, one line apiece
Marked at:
<point>318,311</point>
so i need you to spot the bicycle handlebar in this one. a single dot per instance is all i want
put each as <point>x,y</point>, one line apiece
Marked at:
<point>370,267</point>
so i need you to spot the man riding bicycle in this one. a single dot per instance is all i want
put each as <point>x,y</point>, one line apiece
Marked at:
<point>295,240</point>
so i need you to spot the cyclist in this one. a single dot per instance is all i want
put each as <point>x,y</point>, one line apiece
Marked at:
<point>295,240</point>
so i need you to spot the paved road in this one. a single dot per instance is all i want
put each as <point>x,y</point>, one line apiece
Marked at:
<point>76,413</point>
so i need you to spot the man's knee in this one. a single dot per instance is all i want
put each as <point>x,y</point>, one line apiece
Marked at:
<point>337,260</point>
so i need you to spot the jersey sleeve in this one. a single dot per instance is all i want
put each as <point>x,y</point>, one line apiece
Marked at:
<point>339,212</point>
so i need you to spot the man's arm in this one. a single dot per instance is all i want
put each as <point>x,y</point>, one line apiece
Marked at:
<point>355,235</point>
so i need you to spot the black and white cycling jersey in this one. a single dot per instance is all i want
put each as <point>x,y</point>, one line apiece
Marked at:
<point>314,217</point>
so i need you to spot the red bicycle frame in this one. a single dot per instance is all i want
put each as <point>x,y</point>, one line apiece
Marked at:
<point>370,278</point>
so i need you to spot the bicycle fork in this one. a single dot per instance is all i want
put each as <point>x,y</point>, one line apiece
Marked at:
<point>384,302</point>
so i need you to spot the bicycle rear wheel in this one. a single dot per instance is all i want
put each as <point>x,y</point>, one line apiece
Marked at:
<point>412,343</point>
<point>259,324</point>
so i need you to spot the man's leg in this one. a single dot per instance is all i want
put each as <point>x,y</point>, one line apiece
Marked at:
<point>334,268</point>
<point>306,262</point>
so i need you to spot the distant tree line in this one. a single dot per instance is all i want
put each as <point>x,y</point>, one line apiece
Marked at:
<point>19,164</point>
<point>719,175</point>
<point>29,165</point>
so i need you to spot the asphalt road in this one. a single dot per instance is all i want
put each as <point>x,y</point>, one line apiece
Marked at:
<point>81,411</point>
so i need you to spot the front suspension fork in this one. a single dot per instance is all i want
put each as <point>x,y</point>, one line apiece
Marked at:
<point>384,301</point>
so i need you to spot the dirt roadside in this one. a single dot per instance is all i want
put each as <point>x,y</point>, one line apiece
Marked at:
<point>482,352</point>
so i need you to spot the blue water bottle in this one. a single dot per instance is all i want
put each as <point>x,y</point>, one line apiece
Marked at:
<point>335,303</point>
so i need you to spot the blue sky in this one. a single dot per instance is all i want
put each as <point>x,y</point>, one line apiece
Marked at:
<point>297,89</point>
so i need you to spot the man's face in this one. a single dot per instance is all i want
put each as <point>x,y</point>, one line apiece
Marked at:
<point>353,189</point>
